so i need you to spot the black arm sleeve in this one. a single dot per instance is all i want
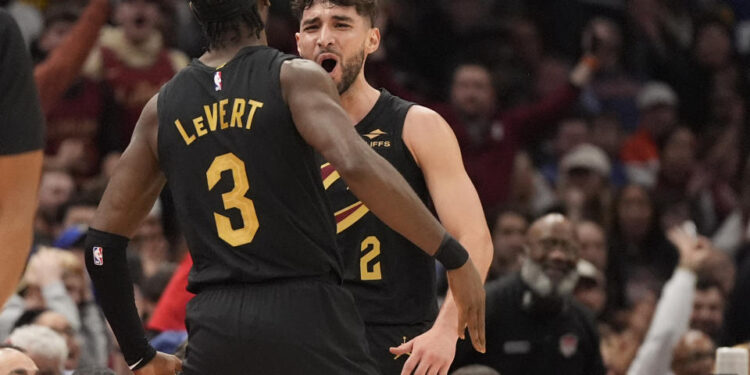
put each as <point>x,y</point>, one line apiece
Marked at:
<point>21,120</point>
<point>107,264</point>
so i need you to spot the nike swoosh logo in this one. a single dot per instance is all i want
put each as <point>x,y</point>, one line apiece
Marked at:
<point>135,364</point>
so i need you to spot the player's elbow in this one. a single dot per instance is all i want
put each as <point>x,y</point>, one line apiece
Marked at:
<point>350,161</point>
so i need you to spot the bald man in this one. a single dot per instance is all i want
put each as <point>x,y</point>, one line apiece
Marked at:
<point>533,325</point>
<point>15,362</point>
<point>694,354</point>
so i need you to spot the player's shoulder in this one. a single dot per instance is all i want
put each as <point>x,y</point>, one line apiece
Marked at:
<point>424,123</point>
<point>296,70</point>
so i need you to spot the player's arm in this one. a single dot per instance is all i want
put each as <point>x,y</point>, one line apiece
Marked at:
<point>129,196</point>
<point>316,110</point>
<point>18,200</point>
<point>21,141</point>
<point>435,149</point>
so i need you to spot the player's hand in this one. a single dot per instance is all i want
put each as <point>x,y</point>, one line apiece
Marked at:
<point>468,293</point>
<point>162,364</point>
<point>429,353</point>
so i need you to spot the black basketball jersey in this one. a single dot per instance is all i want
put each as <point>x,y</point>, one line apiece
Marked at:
<point>246,186</point>
<point>392,280</point>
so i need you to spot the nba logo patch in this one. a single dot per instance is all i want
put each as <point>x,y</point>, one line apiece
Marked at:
<point>98,256</point>
<point>217,81</point>
<point>568,345</point>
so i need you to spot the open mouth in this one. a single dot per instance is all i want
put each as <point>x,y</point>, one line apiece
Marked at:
<point>328,64</point>
<point>328,61</point>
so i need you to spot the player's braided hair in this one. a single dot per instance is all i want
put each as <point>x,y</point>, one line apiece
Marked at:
<point>365,8</point>
<point>223,20</point>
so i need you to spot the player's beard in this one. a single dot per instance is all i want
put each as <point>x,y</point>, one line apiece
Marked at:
<point>533,274</point>
<point>350,70</point>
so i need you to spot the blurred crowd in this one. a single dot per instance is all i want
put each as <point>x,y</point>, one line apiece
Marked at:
<point>630,117</point>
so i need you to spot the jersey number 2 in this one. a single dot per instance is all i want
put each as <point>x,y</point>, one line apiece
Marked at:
<point>370,249</point>
<point>233,199</point>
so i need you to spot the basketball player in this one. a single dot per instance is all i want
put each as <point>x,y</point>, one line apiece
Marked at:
<point>392,280</point>
<point>21,142</point>
<point>234,135</point>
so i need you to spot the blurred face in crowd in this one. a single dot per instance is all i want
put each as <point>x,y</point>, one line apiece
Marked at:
<point>14,362</point>
<point>609,44</point>
<point>586,180</point>
<point>54,34</point>
<point>78,215</point>
<point>337,38</point>
<point>727,106</point>
<point>55,189</point>
<point>634,213</point>
<point>659,119</point>
<point>507,239</point>
<point>550,76</point>
<point>678,156</point>
<point>606,133</point>
<point>708,311</point>
<point>552,252</point>
<point>149,239</point>
<point>571,132</point>
<point>139,19</point>
<point>694,354</point>
<point>58,323</point>
<point>591,293</point>
<point>472,94</point>
<point>526,41</point>
<point>593,244</point>
<point>713,46</point>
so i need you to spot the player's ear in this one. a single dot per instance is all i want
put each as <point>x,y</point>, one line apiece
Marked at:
<point>373,40</point>
<point>296,37</point>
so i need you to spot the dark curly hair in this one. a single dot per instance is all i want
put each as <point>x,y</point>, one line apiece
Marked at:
<point>222,21</point>
<point>365,8</point>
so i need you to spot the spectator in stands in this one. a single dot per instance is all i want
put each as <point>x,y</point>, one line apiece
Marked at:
<point>57,72</point>
<point>584,189</point>
<point>657,103</point>
<point>42,287</point>
<point>74,138</point>
<point>45,347</point>
<point>571,133</point>
<point>508,233</point>
<point>532,316</point>
<point>640,257</point>
<point>60,325</point>
<point>55,188</point>
<point>593,244</point>
<point>489,139</point>
<point>606,133</point>
<point>14,361</point>
<point>133,62</point>
<point>150,245</point>
<point>694,354</point>
<point>708,309</point>
<point>672,316</point>
<point>614,88</point>
<point>77,212</point>
<point>591,288</point>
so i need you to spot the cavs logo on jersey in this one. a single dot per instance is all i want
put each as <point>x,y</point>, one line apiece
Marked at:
<point>346,216</point>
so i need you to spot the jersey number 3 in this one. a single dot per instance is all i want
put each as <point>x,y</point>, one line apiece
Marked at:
<point>233,199</point>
